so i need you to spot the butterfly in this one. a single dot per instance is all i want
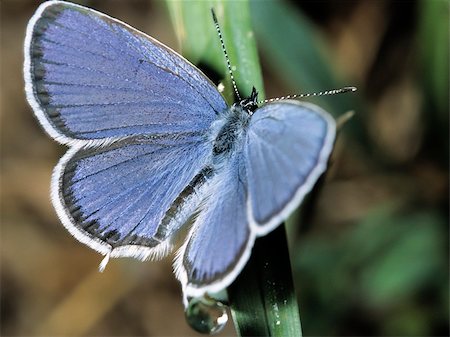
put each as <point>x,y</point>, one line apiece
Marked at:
<point>154,148</point>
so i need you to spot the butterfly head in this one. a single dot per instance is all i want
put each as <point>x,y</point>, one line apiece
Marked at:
<point>249,104</point>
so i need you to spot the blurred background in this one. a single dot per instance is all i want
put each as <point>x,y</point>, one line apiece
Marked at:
<point>369,249</point>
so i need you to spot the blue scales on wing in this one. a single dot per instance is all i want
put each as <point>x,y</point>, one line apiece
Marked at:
<point>130,193</point>
<point>287,149</point>
<point>137,117</point>
<point>220,240</point>
<point>94,77</point>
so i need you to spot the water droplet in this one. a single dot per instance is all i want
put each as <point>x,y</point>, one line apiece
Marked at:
<point>206,315</point>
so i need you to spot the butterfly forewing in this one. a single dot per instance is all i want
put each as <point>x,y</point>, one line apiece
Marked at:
<point>91,77</point>
<point>287,149</point>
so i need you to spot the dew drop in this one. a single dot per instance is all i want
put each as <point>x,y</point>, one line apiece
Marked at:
<point>206,315</point>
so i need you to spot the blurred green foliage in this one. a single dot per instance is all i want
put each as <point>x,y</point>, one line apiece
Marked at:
<point>433,44</point>
<point>390,266</point>
<point>433,39</point>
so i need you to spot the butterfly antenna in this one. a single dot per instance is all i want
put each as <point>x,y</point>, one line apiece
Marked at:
<point>216,23</point>
<point>313,94</point>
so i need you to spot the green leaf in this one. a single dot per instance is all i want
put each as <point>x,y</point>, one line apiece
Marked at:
<point>200,43</point>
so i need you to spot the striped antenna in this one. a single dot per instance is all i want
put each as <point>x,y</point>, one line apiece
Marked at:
<point>216,23</point>
<point>314,94</point>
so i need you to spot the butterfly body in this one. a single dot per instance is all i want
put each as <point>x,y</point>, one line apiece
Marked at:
<point>153,144</point>
<point>232,127</point>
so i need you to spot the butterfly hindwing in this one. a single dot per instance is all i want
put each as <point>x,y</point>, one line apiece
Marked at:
<point>220,240</point>
<point>127,194</point>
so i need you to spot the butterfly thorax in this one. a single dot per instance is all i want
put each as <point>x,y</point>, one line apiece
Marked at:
<point>231,126</point>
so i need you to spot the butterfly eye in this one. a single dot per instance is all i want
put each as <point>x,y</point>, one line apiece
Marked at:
<point>249,104</point>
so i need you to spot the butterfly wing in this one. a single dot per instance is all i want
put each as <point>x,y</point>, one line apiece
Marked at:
<point>129,197</point>
<point>92,78</point>
<point>136,115</point>
<point>287,149</point>
<point>220,240</point>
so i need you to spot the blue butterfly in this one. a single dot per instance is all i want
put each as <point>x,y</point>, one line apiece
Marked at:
<point>154,149</point>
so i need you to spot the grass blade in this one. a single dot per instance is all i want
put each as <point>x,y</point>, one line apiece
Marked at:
<point>262,298</point>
